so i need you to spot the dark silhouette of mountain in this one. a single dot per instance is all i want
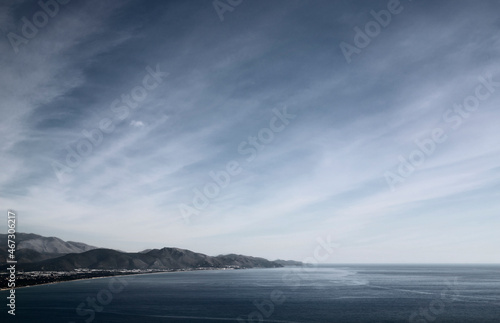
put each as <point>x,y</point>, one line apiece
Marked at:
<point>38,253</point>
<point>246,261</point>
<point>289,262</point>
<point>32,247</point>
<point>164,259</point>
<point>45,244</point>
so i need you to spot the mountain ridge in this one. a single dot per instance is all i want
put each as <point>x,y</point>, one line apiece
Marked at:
<point>40,253</point>
<point>43,244</point>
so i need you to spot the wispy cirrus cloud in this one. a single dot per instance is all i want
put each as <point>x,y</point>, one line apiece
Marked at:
<point>323,172</point>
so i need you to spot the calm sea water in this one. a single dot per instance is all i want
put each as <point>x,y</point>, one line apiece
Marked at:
<point>342,293</point>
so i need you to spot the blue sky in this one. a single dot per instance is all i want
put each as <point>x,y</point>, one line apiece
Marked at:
<point>366,147</point>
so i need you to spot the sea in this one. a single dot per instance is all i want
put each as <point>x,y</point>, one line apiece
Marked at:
<point>326,293</point>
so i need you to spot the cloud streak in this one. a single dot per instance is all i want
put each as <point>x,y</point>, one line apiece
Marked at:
<point>322,175</point>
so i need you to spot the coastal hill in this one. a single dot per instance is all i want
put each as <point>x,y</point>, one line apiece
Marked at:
<point>164,259</point>
<point>32,247</point>
<point>289,262</point>
<point>37,253</point>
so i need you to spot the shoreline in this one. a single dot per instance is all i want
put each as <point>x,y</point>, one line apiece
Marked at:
<point>115,275</point>
<point>67,281</point>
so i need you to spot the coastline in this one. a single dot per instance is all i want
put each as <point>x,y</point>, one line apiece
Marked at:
<point>114,274</point>
<point>69,280</point>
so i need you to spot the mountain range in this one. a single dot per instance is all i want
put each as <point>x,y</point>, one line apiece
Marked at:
<point>38,253</point>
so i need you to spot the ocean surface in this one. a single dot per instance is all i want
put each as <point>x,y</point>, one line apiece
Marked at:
<point>340,293</point>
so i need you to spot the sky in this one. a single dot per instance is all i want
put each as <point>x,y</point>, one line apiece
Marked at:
<point>340,131</point>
